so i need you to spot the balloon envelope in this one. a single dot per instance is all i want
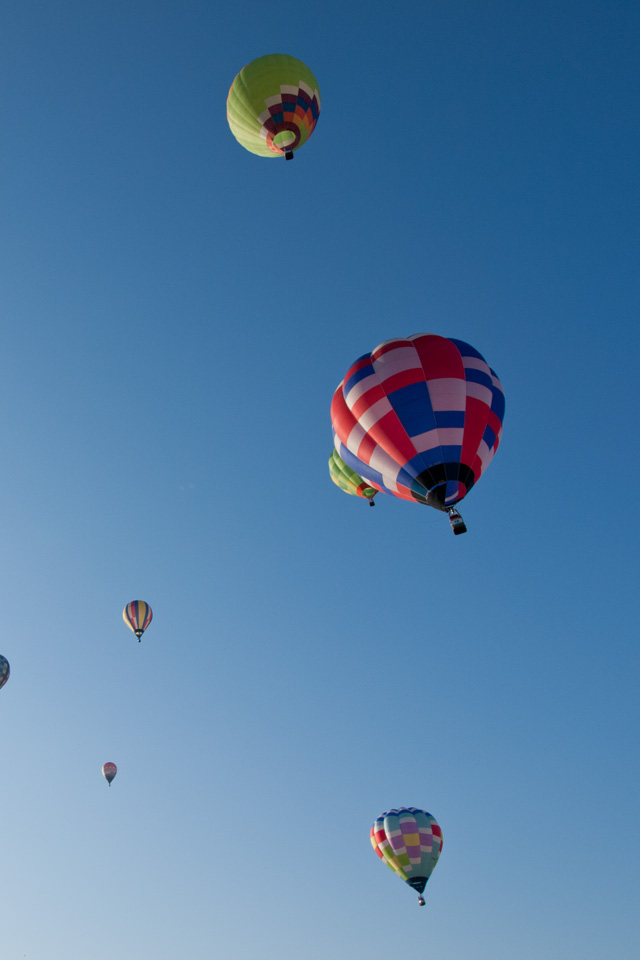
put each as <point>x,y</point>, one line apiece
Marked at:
<point>273,105</point>
<point>137,615</point>
<point>109,771</point>
<point>347,479</point>
<point>422,416</point>
<point>4,671</point>
<point>409,841</point>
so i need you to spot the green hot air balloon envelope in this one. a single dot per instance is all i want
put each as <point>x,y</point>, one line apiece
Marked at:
<point>5,670</point>
<point>273,105</point>
<point>348,480</point>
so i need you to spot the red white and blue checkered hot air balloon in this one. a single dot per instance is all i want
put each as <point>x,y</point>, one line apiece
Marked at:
<point>137,615</point>
<point>420,418</point>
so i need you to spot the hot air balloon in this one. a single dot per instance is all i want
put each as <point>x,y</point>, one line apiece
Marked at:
<point>348,480</point>
<point>420,418</point>
<point>273,105</point>
<point>4,671</point>
<point>409,841</point>
<point>137,615</point>
<point>109,771</point>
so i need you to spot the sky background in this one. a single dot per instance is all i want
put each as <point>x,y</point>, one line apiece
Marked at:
<point>176,314</point>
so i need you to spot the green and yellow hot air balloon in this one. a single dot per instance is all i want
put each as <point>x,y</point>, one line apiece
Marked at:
<point>348,480</point>
<point>273,105</point>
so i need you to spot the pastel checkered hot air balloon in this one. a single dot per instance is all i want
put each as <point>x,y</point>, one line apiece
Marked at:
<point>273,105</point>
<point>109,771</point>
<point>137,615</point>
<point>409,841</point>
<point>420,418</point>
<point>348,480</point>
<point>4,671</point>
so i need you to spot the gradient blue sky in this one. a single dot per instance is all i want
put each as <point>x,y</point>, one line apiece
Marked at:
<point>176,314</point>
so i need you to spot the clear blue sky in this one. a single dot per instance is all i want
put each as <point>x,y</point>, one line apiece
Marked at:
<point>175,316</point>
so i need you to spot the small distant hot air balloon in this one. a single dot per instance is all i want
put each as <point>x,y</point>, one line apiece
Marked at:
<point>4,671</point>
<point>273,105</point>
<point>409,841</point>
<point>420,418</point>
<point>348,480</point>
<point>137,615</point>
<point>109,771</point>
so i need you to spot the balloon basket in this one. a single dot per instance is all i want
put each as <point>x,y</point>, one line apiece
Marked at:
<point>457,523</point>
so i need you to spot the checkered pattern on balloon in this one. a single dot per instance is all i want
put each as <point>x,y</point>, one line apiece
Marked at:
<point>409,841</point>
